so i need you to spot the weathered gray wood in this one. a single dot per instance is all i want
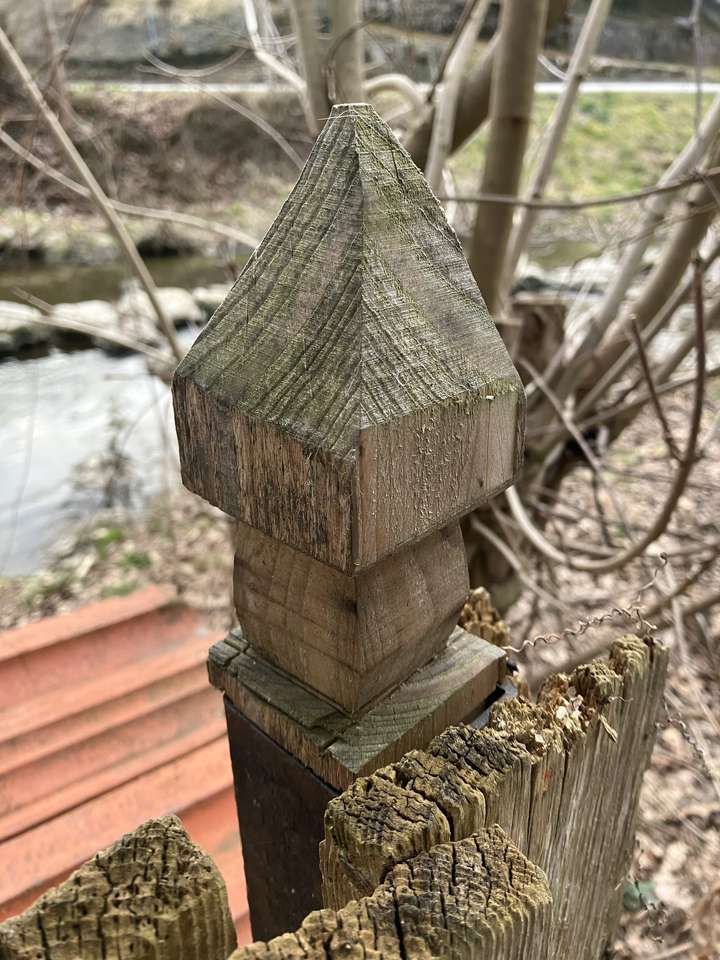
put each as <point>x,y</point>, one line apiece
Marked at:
<point>561,777</point>
<point>336,747</point>
<point>351,638</point>
<point>351,394</point>
<point>476,899</point>
<point>153,895</point>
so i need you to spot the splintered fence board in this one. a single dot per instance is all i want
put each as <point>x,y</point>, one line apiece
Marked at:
<point>153,895</point>
<point>475,899</point>
<point>562,777</point>
<point>452,687</point>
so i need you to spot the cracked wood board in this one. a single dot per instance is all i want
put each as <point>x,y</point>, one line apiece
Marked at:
<point>476,899</point>
<point>154,895</point>
<point>561,777</point>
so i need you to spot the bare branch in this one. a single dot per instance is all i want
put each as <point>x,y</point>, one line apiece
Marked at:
<point>447,91</point>
<point>654,398</point>
<point>555,130</point>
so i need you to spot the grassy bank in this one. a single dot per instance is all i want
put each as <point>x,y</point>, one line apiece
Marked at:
<point>616,143</point>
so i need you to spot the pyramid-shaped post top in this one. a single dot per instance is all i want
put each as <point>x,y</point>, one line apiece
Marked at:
<point>351,394</point>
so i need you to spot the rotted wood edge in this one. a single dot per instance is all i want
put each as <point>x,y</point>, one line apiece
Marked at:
<point>562,776</point>
<point>449,689</point>
<point>475,899</point>
<point>153,895</point>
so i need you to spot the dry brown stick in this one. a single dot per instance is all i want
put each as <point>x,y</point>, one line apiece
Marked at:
<point>110,215</point>
<point>654,398</point>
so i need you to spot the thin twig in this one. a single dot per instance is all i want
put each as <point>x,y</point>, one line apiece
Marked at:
<point>567,205</point>
<point>659,525</point>
<point>654,398</point>
<point>110,215</point>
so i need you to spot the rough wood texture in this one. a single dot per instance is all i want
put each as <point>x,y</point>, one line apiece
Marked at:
<point>475,899</point>
<point>352,393</point>
<point>449,689</point>
<point>562,777</point>
<point>281,806</point>
<point>154,895</point>
<point>351,638</point>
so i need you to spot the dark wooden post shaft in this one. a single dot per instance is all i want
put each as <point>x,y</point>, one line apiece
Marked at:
<point>348,403</point>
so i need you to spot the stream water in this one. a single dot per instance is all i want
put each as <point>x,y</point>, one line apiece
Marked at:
<point>64,412</point>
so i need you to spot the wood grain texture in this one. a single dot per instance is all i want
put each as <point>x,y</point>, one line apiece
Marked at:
<point>475,899</point>
<point>153,895</point>
<point>350,638</point>
<point>280,809</point>
<point>561,777</point>
<point>450,688</point>
<point>351,394</point>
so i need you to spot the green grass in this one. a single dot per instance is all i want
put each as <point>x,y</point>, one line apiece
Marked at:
<point>137,560</point>
<point>120,589</point>
<point>104,538</point>
<point>616,143</point>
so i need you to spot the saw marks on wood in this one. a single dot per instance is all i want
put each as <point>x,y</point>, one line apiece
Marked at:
<point>352,393</point>
<point>336,747</point>
<point>475,899</point>
<point>351,638</point>
<point>153,895</point>
<point>561,777</point>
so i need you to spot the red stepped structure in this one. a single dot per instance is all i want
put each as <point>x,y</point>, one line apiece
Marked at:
<point>107,719</point>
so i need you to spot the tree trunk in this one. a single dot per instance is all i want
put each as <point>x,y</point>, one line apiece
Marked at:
<point>587,41</point>
<point>513,90</point>
<point>312,61</point>
<point>447,93</point>
<point>347,51</point>
<point>474,102</point>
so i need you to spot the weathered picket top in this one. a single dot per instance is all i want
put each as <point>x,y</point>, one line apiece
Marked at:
<point>348,403</point>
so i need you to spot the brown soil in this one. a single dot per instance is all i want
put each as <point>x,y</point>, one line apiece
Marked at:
<point>160,150</point>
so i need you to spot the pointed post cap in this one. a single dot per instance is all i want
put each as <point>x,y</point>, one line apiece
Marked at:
<point>351,394</point>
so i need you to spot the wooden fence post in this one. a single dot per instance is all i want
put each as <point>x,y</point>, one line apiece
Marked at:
<point>347,404</point>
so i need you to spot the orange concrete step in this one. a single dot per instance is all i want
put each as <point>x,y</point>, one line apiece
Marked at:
<point>107,719</point>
